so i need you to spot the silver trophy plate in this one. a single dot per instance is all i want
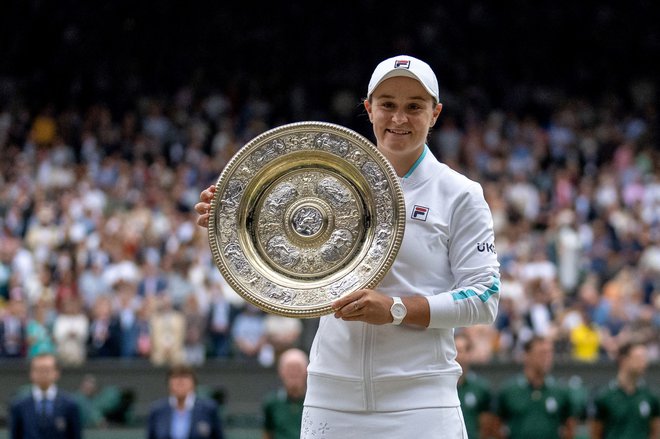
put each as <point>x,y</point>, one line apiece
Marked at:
<point>304,214</point>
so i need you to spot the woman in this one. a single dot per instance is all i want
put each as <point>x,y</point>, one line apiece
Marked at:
<point>71,332</point>
<point>384,365</point>
<point>38,331</point>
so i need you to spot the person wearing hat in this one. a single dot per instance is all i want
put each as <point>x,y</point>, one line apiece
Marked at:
<point>384,365</point>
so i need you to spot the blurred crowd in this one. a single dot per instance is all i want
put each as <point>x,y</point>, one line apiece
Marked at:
<point>100,254</point>
<point>576,204</point>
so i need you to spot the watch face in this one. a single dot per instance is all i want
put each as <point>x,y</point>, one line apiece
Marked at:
<point>398,310</point>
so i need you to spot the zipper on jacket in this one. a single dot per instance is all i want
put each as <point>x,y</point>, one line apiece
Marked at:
<point>367,364</point>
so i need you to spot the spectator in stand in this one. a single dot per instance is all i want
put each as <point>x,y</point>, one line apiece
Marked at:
<point>567,247</point>
<point>126,304</point>
<point>5,268</point>
<point>507,324</point>
<point>44,127</point>
<point>195,340</point>
<point>249,333</point>
<point>585,338</point>
<point>13,323</point>
<point>628,407</point>
<point>104,330</point>
<point>71,332</point>
<point>484,340</point>
<point>38,330</point>
<point>167,329</point>
<point>282,333</point>
<point>178,284</point>
<point>540,313</point>
<point>39,285</point>
<point>601,248</point>
<point>127,337</point>
<point>523,197</point>
<point>219,321</point>
<point>615,311</point>
<point>66,289</point>
<point>43,235</point>
<point>144,318</point>
<point>152,282</point>
<point>92,283</point>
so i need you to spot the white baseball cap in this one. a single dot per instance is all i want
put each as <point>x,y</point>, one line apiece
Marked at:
<point>405,65</point>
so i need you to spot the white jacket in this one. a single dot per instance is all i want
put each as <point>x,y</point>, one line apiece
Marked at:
<point>448,256</point>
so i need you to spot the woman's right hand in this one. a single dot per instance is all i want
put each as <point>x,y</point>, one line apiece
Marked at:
<point>203,208</point>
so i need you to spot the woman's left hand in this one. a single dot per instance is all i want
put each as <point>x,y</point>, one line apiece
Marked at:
<point>203,208</point>
<point>368,306</point>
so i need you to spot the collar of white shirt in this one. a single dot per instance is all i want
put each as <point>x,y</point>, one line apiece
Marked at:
<point>39,394</point>
<point>188,405</point>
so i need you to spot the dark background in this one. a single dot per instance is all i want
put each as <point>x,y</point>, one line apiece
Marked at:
<point>516,55</point>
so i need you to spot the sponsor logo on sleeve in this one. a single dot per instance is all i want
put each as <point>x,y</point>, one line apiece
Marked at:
<point>485,247</point>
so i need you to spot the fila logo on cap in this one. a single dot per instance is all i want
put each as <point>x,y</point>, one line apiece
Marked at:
<point>402,64</point>
<point>419,213</point>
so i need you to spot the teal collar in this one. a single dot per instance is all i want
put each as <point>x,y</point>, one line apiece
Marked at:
<point>417,162</point>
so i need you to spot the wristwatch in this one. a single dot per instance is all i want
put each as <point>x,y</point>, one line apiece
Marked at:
<point>398,311</point>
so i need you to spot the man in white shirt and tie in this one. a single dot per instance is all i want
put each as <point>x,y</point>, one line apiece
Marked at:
<point>46,413</point>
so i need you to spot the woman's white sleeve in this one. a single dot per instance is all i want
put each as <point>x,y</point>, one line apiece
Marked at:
<point>475,297</point>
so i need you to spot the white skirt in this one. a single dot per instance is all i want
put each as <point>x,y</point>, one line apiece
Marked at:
<point>430,423</point>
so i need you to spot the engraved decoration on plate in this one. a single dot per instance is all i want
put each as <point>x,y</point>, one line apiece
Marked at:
<point>304,214</point>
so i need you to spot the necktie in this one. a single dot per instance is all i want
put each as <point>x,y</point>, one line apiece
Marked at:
<point>45,408</point>
<point>48,407</point>
<point>43,414</point>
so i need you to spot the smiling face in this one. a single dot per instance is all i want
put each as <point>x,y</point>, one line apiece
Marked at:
<point>401,112</point>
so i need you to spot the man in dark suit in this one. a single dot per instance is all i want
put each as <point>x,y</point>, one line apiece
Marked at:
<point>104,330</point>
<point>12,329</point>
<point>46,413</point>
<point>184,414</point>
